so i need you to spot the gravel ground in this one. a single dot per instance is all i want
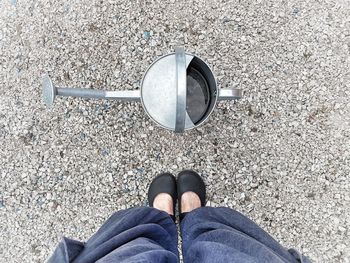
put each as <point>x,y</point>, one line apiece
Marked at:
<point>281,155</point>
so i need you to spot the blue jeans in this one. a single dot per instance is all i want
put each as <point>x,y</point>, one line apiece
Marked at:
<point>145,234</point>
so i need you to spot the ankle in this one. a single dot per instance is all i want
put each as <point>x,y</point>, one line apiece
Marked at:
<point>189,202</point>
<point>164,202</point>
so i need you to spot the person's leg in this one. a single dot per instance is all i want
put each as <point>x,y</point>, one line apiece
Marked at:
<point>225,235</point>
<point>222,234</point>
<point>141,234</point>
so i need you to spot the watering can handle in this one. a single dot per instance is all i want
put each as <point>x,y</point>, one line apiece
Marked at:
<point>181,90</point>
<point>230,94</point>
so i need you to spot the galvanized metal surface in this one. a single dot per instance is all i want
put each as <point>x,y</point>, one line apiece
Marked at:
<point>120,95</point>
<point>50,92</point>
<point>124,95</point>
<point>159,93</point>
<point>81,93</point>
<point>230,94</point>
<point>180,89</point>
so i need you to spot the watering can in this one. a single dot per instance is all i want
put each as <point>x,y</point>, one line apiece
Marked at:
<point>178,91</point>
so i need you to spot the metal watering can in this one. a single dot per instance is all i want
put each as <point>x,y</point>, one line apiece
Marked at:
<point>178,91</point>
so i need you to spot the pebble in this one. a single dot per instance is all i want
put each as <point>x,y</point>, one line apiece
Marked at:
<point>146,35</point>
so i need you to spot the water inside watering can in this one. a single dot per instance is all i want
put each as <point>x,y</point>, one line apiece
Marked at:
<point>198,95</point>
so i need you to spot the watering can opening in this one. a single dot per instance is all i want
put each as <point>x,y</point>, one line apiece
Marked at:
<point>201,91</point>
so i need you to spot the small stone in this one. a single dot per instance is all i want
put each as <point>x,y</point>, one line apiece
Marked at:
<point>250,207</point>
<point>341,229</point>
<point>82,136</point>
<point>110,177</point>
<point>242,196</point>
<point>40,201</point>
<point>336,221</point>
<point>146,35</point>
<point>254,185</point>
<point>337,106</point>
<point>104,151</point>
<point>226,19</point>
<point>295,11</point>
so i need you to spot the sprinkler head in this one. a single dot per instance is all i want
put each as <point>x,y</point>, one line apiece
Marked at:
<point>49,91</point>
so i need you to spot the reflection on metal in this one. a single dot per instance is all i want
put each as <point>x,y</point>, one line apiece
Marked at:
<point>178,91</point>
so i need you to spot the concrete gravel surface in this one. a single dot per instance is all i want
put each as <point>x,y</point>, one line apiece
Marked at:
<point>281,155</point>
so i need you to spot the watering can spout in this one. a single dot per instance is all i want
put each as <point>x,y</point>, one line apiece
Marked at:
<point>50,92</point>
<point>124,95</point>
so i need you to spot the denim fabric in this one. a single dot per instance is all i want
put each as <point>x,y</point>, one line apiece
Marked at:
<point>145,234</point>
<point>140,234</point>
<point>224,235</point>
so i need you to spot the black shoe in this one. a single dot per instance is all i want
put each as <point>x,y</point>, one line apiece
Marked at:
<point>163,183</point>
<point>190,181</point>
